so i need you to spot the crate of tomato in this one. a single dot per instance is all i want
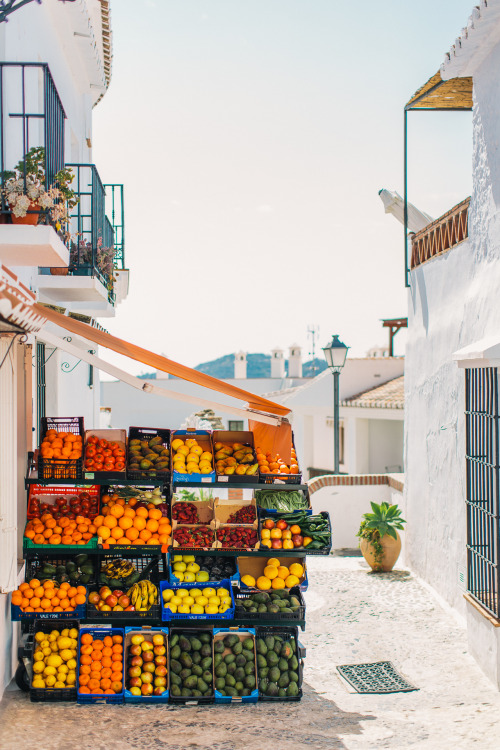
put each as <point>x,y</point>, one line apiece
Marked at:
<point>63,501</point>
<point>105,454</point>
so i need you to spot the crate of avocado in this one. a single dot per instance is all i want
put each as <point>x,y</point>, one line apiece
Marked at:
<point>281,605</point>
<point>127,589</point>
<point>235,665</point>
<point>279,664</point>
<point>148,453</point>
<point>191,665</point>
<point>74,569</point>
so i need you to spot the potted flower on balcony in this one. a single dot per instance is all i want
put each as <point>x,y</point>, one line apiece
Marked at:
<point>380,542</point>
<point>24,190</point>
<point>81,257</point>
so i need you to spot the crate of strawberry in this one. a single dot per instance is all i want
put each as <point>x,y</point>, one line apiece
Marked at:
<point>185,513</point>
<point>240,513</point>
<point>193,537</point>
<point>237,537</point>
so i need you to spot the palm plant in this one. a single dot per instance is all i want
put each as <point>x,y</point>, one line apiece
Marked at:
<point>385,520</point>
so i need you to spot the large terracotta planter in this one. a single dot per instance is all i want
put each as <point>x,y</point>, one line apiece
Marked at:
<point>31,219</point>
<point>391,547</point>
<point>63,271</point>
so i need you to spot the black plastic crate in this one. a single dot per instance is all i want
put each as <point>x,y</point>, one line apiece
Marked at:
<point>39,695</point>
<point>275,516</point>
<point>156,568</point>
<point>35,564</point>
<point>203,700</point>
<point>146,433</point>
<point>284,617</point>
<point>299,653</point>
<point>61,468</point>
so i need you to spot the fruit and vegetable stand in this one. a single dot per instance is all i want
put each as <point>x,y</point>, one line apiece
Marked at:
<point>143,583</point>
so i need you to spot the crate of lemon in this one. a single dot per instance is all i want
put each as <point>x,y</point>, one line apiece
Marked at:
<point>193,601</point>
<point>54,661</point>
<point>192,456</point>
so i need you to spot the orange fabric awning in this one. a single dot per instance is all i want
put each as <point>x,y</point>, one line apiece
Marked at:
<point>101,338</point>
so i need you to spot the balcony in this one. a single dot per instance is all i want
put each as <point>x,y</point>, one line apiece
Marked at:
<point>95,279</point>
<point>32,118</point>
<point>441,235</point>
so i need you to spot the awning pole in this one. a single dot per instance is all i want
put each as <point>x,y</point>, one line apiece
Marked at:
<point>147,386</point>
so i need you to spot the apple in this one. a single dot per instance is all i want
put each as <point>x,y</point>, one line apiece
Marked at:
<point>124,601</point>
<point>161,671</point>
<point>159,690</point>
<point>137,639</point>
<point>135,690</point>
<point>130,608</point>
<point>158,640</point>
<point>147,677</point>
<point>136,661</point>
<point>134,671</point>
<point>104,592</point>
<point>117,593</point>
<point>94,598</point>
<point>281,524</point>
<point>147,689</point>
<point>268,524</point>
<point>135,682</point>
<point>147,646</point>
<point>276,544</point>
<point>111,600</point>
<point>297,540</point>
<point>117,608</point>
<point>160,660</point>
<point>149,667</point>
<point>160,681</point>
<point>135,650</point>
<point>105,608</point>
<point>159,650</point>
<point>148,656</point>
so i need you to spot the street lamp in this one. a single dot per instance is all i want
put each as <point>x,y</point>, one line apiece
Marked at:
<point>335,355</point>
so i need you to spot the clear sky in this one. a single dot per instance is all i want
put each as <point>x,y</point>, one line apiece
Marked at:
<point>252,138</point>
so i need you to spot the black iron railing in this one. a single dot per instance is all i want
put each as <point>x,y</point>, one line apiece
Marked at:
<point>92,246</point>
<point>31,115</point>
<point>115,209</point>
<point>482,499</point>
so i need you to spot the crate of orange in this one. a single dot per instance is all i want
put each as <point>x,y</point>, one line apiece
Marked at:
<point>63,533</point>
<point>100,665</point>
<point>273,469</point>
<point>105,454</point>
<point>134,526</point>
<point>61,449</point>
<point>34,600</point>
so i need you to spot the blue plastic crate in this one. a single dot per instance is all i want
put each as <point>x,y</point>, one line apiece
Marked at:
<point>167,615</point>
<point>17,615</point>
<point>129,697</point>
<point>175,581</point>
<point>254,695</point>
<point>100,634</point>
<point>192,478</point>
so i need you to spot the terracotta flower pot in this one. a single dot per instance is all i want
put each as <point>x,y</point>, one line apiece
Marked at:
<point>63,271</point>
<point>391,547</point>
<point>31,219</point>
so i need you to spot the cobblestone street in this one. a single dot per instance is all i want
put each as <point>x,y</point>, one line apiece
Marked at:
<point>353,616</point>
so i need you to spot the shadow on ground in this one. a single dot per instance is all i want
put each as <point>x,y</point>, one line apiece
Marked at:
<point>314,722</point>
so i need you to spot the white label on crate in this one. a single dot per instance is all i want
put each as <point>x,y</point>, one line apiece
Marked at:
<point>223,479</point>
<point>207,480</point>
<point>89,475</point>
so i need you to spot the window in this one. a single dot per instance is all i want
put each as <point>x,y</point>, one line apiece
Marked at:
<point>482,488</point>
<point>235,425</point>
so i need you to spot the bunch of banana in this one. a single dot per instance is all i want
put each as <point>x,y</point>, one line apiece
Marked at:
<point>118,569</point>
<point>143,595</point>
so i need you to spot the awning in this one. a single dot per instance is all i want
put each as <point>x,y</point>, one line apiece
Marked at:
<point>438,94</point>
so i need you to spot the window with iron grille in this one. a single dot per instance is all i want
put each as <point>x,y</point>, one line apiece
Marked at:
<point>235,425</point>
<point>482,488</point>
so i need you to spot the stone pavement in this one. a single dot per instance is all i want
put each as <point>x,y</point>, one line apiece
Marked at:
<point>353,616</point>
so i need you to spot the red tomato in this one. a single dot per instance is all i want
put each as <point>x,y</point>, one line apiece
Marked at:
<point>118,452</point>
<point>89,463</point>
<point>91,451</point>
<point>107,453</point>
<point>93,439</point>
<point>120,465</point>
<point>113,446</point>
<point>108,466</point>
<point>103,443</point>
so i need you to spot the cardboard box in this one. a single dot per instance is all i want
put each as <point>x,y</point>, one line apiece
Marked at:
<point>223,509</point>
<point>112,436</point>
<point>254,566</point>
<point>245,437</point>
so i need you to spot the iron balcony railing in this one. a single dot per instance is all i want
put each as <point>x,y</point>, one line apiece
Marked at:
<point>115,209</point>
<point>441,235</point>
<point>31,115</point>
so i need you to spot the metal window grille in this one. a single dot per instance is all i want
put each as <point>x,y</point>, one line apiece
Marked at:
<point>482,498</point>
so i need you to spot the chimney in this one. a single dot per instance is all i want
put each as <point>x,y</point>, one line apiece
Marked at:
<point>240,365</point>
<point>277,363</point>
<point>295,361</point>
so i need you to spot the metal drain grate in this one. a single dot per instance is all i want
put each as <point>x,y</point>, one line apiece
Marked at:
<point>377,677</point>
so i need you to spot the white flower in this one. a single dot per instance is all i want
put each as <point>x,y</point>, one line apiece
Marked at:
<point>45,201</point>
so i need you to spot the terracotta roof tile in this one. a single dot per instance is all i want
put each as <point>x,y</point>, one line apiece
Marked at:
<point>390,395</point>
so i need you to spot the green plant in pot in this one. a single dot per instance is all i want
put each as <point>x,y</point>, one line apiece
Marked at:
<point>380,542</point>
